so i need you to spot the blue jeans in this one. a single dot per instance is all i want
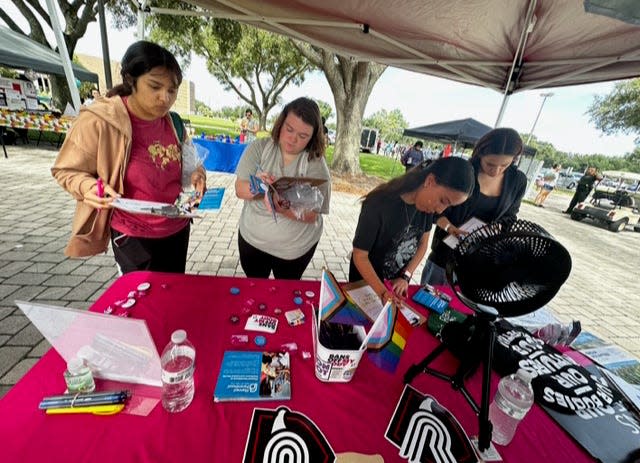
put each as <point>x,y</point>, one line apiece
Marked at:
<point>433,274</point>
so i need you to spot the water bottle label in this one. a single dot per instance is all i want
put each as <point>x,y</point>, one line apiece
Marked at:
<point>170,377</point>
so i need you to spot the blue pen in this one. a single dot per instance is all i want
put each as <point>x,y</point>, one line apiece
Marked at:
<point>84,400</point>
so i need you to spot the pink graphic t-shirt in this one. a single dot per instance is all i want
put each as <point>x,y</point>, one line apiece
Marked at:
<point>153,173</point>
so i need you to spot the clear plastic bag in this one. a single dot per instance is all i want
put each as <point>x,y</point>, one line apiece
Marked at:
<point>303,198</point>
<point>192,158</point>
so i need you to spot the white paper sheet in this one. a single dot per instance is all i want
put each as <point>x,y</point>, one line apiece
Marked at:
<point>469,226</point>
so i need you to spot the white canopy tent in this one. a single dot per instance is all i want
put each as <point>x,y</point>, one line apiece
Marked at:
<point>506,45</point>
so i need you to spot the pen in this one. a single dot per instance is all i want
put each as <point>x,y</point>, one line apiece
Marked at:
<point>83,400</point>
<point>95,410</point>
<point>100,188</point>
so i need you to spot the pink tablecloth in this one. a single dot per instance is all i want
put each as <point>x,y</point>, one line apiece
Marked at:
<point>352,416</point>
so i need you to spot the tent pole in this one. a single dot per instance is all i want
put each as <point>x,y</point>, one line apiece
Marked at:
<point>503,106</point>
<point>105,46</point>
<point>142,14</point>
<point>64,55</point>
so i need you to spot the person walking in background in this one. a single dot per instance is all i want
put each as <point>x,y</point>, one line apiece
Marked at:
<point>498,192</point>
<point>127,145</point>
<point>296,148</point>
<point>549,184</point>
<point>249,126</point>
<point>393,228</point>
<point>413,156</point>
<point>583,188</point>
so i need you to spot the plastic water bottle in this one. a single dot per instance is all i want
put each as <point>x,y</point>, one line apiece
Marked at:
<point>511,403</point>
<point>178,364</point>
<point>78,377</point>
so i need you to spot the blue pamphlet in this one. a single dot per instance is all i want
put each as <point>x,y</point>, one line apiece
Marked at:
<point>432,298</point>
<point>253,376</point>
<point>212,200</point>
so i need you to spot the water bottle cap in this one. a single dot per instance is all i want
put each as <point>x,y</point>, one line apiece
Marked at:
<point>178,336</point>
<point>75,365</point>
<point>525,375</point>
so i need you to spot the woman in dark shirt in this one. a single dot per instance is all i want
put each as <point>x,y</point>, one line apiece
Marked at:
<point>499,189</point>
<point>393,228</point>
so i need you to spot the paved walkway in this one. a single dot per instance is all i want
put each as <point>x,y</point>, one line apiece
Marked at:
<point>35,214</point>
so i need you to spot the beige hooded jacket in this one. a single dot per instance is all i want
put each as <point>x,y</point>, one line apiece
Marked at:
<point>98,145</point>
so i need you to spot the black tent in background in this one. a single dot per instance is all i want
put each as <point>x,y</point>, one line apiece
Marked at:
<point>463,133</point>
<point>20,52</point>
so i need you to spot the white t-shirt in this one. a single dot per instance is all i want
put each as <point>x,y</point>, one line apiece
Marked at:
<point>286,239</point>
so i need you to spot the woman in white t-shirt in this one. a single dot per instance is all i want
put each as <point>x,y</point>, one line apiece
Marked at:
<point>549,184</point>
<point>283,244</point>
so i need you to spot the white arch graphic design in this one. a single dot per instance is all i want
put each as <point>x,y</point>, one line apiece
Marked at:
<point>286,447</point>
<point>426,429</point>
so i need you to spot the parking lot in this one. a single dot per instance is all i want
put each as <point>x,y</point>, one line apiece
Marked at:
<point>602,291</point>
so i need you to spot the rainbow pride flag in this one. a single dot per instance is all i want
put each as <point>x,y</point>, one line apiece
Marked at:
<point>387,340</point>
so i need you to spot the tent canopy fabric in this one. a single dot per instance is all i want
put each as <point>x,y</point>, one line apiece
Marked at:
<point>504,45</point>
<point>464,132</point>
<point>20,52</point>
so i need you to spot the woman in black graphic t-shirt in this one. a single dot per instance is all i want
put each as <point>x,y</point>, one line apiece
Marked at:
<point>393,228</point>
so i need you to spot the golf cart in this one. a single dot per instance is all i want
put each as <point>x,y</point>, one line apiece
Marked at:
<point>615,205</point>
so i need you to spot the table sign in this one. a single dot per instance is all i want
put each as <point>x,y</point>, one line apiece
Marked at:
<point>115,348</point>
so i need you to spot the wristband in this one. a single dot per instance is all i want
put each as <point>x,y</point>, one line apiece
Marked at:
<point>406,276</point>
<point>446,228</point>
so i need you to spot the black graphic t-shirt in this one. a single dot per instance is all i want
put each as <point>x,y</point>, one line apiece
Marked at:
<point>390,230</point>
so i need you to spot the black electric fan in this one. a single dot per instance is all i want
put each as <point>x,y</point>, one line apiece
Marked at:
<point>503,269</point>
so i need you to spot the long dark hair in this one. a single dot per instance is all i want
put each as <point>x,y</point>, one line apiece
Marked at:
<point>452,172</point>
<point>503,141</point>
<point>140,58</point>
<point>307,110</point>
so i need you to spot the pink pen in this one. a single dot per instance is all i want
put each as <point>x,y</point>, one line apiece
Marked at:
<point>100,188</point>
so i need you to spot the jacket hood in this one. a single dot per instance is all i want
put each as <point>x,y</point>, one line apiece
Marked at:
<point>113,111</point>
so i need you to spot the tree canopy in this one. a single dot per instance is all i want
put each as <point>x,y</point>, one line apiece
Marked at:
<point>619,111</point>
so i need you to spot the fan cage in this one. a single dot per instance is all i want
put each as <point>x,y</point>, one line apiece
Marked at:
<point>515,267</point>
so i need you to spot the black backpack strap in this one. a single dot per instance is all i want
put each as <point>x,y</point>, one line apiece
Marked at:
<point>178,125</point>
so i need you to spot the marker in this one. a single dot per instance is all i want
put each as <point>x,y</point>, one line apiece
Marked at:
<point>95,410</point>
<point>84,400</point>
<point>100,188</point>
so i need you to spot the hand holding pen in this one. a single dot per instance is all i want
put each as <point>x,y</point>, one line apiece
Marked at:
<point>101,195</point>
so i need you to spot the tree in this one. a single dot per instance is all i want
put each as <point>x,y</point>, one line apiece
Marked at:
<point>391,124</point>
<point>326,110</point>
<point>619,111</point>
<point>203,109</point>
<point>254,64</point>
<point>351,83</point>
<point>77,15</point>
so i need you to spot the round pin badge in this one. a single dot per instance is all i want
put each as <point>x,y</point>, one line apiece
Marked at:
<point>297,300</point>
<point>235,291</point>
<point>310,294</point>
<point>260,341</point>
<point>129,303</point>
<point>144,286</point>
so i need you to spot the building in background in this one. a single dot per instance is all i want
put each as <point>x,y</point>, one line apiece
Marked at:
<point>185,103</point>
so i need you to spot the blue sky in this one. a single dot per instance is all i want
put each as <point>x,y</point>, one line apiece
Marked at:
<point>425,100</point>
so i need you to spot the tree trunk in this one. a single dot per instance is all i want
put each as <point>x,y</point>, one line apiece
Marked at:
<point>60,94</point>
<point>351,83</point>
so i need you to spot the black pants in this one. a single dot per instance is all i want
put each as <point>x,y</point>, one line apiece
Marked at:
<point>156,254</point>
<point>259,264</point>
<point>579,196</point>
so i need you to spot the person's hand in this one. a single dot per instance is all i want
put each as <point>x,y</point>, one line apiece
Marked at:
<point>400,287</point>
<point>457,232</point>
<point>387,295</point>
<point>199,182</point>
<point>100,199</point>
<point>266,177</point>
